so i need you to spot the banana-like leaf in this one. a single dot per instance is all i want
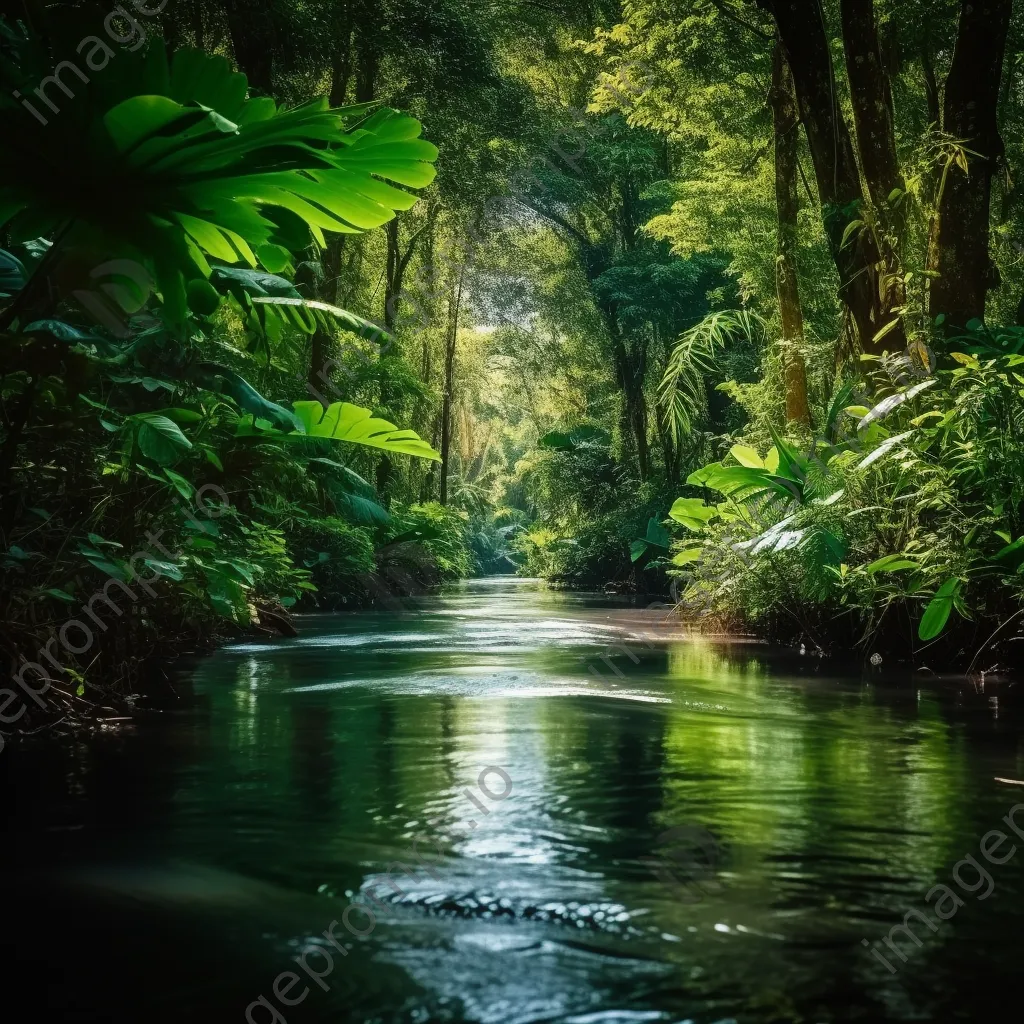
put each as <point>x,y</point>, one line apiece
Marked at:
<point>350,321</point>
<point>746,456</point>
<point>936,615</point>
<point>12,274</point>
<point>886,405</point>
<point>883,449</point>
<point>344,422</point>
<point>739,482</point>
<point>891,563</point>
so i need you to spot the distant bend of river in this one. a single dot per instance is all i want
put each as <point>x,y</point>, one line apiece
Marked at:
<point>531,815</point>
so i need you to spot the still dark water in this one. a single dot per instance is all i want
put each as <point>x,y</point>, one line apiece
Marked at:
<point>704,835</point>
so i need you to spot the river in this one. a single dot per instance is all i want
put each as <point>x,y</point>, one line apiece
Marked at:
<point>686,830</point>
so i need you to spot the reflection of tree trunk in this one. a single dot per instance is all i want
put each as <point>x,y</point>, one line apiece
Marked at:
<point>802,31</point>
<point>958,246</point>
<point>786,122</point>
<point>454,302</point>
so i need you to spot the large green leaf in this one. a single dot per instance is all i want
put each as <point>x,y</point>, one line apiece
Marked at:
<point>350,321</point>
<point>891,563</point>
<point>181,166</point>
<point>12,274</point>
<point>160,438</point>
<point>220,379</point>
<point>584,436</point>
<point>887,405</point>
<point>344,422</point>
<point>242,280</point>
<point>936,615</point>
<point>738,482</point>
<point>693,513</point>
<point>657,540</point>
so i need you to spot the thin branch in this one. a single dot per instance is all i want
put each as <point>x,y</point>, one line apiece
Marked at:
<point>560,221</point>
<point>723,8</point>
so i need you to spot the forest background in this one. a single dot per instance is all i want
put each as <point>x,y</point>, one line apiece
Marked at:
<point>711,295</point>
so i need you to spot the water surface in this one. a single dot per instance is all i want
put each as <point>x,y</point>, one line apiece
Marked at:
<point>693,831</point>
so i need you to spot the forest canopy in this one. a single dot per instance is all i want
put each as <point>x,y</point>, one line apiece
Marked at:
<point>716,298</point>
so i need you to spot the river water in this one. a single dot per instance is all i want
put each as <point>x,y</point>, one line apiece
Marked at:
<point>680,830</point>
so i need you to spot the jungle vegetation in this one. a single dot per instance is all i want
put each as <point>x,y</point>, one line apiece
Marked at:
<point>306,305</point>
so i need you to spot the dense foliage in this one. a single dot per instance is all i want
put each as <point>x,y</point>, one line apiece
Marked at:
<point>713,295</point>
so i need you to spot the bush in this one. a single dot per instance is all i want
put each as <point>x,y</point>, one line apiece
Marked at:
<point>896,523</point>
<point>442,532</point>
<point>339,555</point>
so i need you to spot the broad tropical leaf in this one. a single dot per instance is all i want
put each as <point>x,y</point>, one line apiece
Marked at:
<point>693,513</point>
<point>177,165</point>
<point>344,422</point>
<point>936,615</point>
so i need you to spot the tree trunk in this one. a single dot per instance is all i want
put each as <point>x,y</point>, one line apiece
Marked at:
<point>786,124</point>
<point>454,302</point>
<point>958,246</point>
<point>631,371</point>
<point>318,382</point>
<point>931,85</point>
<point>368,59</point>
<point>252,39</point>
<point>392,276</point>
<point>801,28</point>
<point>872,102</point>
<point>341,60</point>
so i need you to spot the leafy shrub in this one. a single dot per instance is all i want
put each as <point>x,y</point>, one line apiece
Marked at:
<point>907,512</point>
<point>442,532</point>
<point>492,541</point>
<point>339,555</point>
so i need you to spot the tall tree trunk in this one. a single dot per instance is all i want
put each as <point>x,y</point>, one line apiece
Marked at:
<point>251,28</point>
<point>390,300</point>
<point>368,60</point>
<point>801,27</point>
<point>871,96</point>
<point>392,276</point>
<point>318,382</point>
<point>874,120</point>
<point>631,371</point>
<point>330,288</point>
<point>958,246</point>
<point>786,125</point>
<point>1009,191</point>
<point>341,58</point>
<point>454,303</point>
<point>931,85</point>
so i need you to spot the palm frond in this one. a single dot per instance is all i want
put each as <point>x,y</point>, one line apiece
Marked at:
<point>682,393</point>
